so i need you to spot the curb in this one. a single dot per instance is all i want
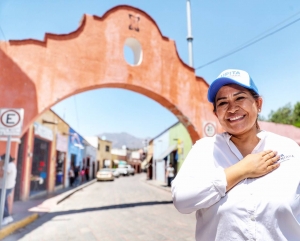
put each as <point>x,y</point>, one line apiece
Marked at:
<point>7,230</point>
<point>11,228</point>
<point>76,190</point>
<point>159,187</point>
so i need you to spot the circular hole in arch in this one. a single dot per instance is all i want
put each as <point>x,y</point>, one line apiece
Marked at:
<point>133,52</point>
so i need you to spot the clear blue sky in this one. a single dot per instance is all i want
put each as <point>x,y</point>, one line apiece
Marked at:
<point>218,27</point>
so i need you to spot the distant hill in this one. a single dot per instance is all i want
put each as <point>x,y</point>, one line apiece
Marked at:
<point>120,139</point>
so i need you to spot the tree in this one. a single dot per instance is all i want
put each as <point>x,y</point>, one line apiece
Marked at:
<point>284,115</point>
<point>296,114</point>
<point>262,118</point>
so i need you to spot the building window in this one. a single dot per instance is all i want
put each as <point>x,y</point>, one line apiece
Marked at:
<point>107,148</point>
<point>98,146</point>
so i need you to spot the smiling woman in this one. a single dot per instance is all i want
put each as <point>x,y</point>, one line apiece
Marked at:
<point>238,182</point>
<point>237,109</point>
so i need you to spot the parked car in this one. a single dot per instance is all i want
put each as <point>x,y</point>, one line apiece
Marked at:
<point>105,175</point>
<point>115,172</point>
<point>130,169</point>
<point>122,169</point>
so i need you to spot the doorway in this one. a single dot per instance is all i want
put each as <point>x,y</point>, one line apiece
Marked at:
<point>39,170</point>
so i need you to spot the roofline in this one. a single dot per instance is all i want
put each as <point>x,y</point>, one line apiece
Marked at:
<point>59,117</point>
<point>69,126</point>
<point>165,131</point>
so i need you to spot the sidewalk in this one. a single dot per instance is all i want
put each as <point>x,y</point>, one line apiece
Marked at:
<point>25,212</point>
<point>158,184</point>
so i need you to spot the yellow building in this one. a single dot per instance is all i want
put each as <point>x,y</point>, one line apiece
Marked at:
<point>104,157</point>
<point>104,153</point>
<point>42,156</point>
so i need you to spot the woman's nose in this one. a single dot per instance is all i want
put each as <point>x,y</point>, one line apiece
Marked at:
<point>232,107</point>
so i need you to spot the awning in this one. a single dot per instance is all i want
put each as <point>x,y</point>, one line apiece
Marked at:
<point>146,161</point>
<point>167,152</point>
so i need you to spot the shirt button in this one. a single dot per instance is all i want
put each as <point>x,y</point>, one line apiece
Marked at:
<point>252,218</point>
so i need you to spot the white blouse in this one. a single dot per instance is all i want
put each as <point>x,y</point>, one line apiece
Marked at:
<point>265,208</point>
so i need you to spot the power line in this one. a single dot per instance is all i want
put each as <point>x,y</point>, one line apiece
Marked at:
<point>266,31</point>
<point>1,30</point>
<point>249,43</point>
<point>5,40</point>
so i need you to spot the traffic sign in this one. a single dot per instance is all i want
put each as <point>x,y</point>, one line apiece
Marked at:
<point>11,121</point>
<point>209,129</point>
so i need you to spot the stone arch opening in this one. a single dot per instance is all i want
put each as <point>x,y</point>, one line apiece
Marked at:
<point>140,90</point>
<point>137,51</point>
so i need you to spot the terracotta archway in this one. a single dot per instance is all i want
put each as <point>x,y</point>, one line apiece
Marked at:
<point>35,75</point>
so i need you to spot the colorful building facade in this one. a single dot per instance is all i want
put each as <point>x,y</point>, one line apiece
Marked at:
<point>41,158</point>
<point>171,146</point>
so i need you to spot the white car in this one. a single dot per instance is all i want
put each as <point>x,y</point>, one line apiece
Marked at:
<point>130,169</point>
<point>115,172</point>
<point>122,170</point>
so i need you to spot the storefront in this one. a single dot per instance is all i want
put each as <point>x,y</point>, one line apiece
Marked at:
<point>43,138</point>
<point>90,155</point>
<point>61,152</point>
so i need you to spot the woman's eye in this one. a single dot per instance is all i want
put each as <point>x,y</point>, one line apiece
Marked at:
<point>240,98</point>
<point>222,103</point>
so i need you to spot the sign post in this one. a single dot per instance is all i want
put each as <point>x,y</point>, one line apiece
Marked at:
<point>11,121</point>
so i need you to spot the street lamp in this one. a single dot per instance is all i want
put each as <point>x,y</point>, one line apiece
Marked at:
<point>189,36</point>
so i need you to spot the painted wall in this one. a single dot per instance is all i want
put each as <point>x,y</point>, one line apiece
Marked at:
<point>76,147</point>
<point>46,72</point>
<point>91,153</point>
<point>102,154</point>
<point>160,144</point>
<point>180,136</point>
<point>176,135</point>
<point>60,127</point>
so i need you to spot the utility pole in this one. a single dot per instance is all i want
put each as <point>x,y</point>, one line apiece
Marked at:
<point>189,37</point>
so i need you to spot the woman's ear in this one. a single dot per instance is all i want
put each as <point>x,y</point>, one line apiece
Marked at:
<point>259,102</point>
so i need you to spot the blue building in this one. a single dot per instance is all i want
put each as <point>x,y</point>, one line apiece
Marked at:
<point>75,150</point>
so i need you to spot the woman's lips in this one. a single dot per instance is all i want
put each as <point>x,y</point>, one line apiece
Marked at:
<point>235,118</point>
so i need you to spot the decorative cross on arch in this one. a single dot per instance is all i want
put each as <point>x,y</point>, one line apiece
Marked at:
<point>134,22</point>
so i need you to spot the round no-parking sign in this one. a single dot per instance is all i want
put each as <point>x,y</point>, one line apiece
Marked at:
<point>10,118</point>
<point>209,129</point>
<point>11,121</point>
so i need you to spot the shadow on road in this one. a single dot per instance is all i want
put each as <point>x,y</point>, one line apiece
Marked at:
<point>47,217</point>
<point>125,205</point>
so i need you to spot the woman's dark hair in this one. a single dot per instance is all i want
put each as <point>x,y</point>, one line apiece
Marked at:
<point>254,95</point>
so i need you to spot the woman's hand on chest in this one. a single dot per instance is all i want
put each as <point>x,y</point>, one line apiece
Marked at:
<point>259,164</point>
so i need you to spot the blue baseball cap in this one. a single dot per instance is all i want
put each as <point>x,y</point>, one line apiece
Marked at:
<point>230,76</point>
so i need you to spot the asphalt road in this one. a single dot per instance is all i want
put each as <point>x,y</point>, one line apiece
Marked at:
<point>125,209</point>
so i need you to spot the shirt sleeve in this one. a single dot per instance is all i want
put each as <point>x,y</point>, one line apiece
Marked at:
<point>9,168</point>
<point>199,183</point>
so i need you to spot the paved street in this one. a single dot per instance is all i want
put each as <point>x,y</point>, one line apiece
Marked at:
<point>126,209</point>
